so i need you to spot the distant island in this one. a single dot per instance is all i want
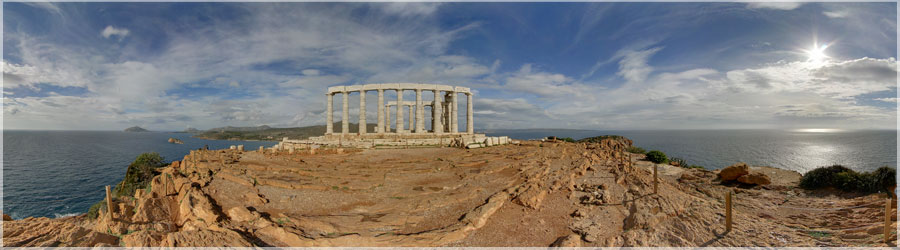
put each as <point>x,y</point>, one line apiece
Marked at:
<point>136,129</point>
<point>266,133</point>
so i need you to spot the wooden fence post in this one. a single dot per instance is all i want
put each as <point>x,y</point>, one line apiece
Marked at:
<point>655,180</point>
<point>109,203</point>
<point>887,219</point>
<point>728,211</point>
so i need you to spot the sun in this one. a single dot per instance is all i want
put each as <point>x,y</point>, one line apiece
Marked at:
<point>817,53</point>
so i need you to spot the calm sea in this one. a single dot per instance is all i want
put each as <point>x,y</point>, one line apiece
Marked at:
<point>715,149</point>
<point>57,173</point>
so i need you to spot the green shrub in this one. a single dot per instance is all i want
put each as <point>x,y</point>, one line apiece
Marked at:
<point>678,161</point>
<point>139,173</point>
<point>657,157</point>
<point>846,179</point>
<point>636,150</point>
<point>95,209</point>
<point>602,137</point>
<point>566,139</point>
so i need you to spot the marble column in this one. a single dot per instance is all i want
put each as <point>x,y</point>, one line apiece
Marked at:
<point>454,116</point>
<point>412,116</point>
<point>345,123</point>
<point>399,110</point>
<point>436,113</point>
<point>362,112</point>
<point>470,122</point>
<point>329,113</point>
<point>420,112</point>
<point>387,119</point>
<point>380,127</point>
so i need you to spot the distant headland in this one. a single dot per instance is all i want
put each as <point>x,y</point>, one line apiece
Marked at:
<point>136,129</point>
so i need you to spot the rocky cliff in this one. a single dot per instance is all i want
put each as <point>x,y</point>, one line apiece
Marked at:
<point>534,194</point>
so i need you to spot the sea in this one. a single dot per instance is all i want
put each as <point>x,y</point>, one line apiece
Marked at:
<point>62,173</point>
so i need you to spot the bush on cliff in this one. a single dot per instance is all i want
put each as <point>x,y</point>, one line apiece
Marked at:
<point>95,209</point>
<point>656,156</point>
<point>845,179</point>
<point>636,150</point>
<point>139,174</point>
<point>602,137</point>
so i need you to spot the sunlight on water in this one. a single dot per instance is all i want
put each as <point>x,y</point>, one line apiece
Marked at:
<point>819,130</point>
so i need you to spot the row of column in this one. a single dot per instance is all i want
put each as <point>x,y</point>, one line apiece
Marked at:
<point>438,120</point>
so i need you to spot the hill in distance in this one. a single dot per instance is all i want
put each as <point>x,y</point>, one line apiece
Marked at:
<point>136,129</point>
<point>266,133</point>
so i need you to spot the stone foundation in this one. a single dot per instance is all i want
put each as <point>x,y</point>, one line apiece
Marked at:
<point>394,140</point>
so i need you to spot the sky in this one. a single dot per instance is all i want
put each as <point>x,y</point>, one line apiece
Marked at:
<point>172,66</point>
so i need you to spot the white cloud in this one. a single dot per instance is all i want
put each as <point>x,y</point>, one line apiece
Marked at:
<point>835,14</point>
<point>633,66</point>
<point>409,8</point>
<point>891,99</point>
<point>774,5</point>
<point>113,31</point>
<point>148,90</point>
<point>540,83</point>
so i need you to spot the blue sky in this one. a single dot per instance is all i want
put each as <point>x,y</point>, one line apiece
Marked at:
<point>169,66</point>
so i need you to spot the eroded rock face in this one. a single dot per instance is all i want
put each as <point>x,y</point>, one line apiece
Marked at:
<point>734,172</point>
<point>205,238</point>
<point>45,232</point>
<point>755,178</point>
<point>572,240</point>
<point>240,213</point>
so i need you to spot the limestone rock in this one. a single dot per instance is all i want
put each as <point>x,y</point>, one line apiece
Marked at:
<point>589,228</point>
<point>205,238</point>
<point>572,240</point>
<point>196,206</point>
<point>532,197</point>
<point>755,178</point>
<point>6,217</point>
<point>45,232</point>
<point>240,213</point>
<point>734,172</point>
<point>144,238</point>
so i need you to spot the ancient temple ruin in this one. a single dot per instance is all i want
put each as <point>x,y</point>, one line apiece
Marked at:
<point>444,119</point>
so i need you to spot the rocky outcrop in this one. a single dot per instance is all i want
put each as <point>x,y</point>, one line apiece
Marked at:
<point>590,194</point>
<point>755,178</point>
<point>175,141</point>
<point>734,172</point>
<point>740,172</point>
<point>46,232</point>
<point>572,240</point>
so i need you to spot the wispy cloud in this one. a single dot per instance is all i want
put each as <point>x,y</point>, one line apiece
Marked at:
<point>775,5</point>
<point>113,31</point>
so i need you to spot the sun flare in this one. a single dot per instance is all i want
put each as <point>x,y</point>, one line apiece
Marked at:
<point>816,54</point>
